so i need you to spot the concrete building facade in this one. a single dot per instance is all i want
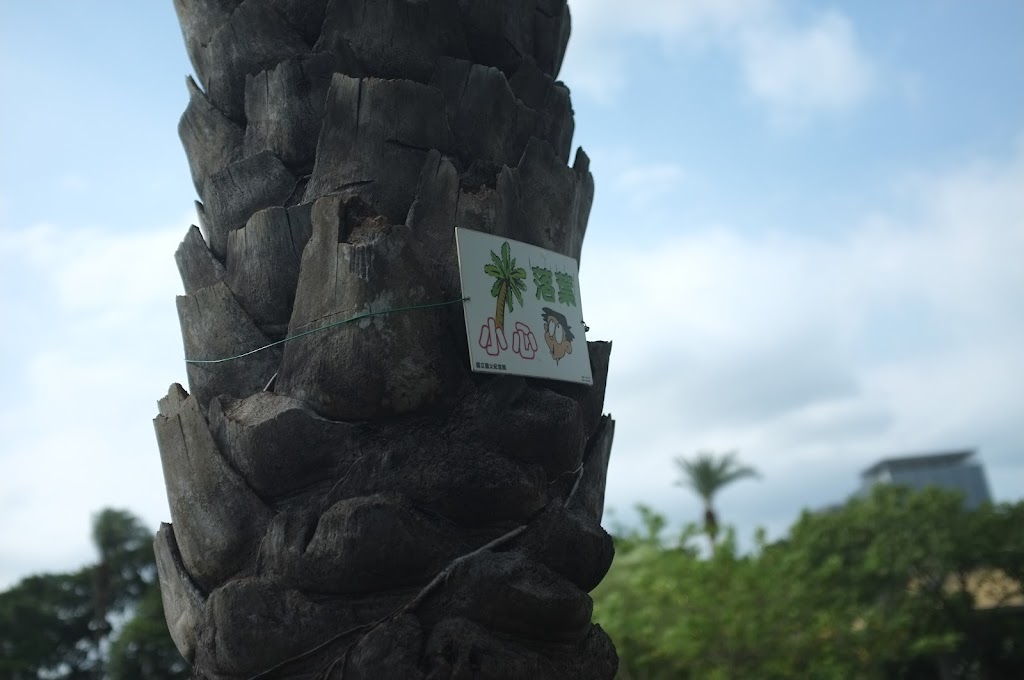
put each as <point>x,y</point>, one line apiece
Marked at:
<point>952,470</point>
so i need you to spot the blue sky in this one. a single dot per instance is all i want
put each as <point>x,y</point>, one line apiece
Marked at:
<point>806,245</point>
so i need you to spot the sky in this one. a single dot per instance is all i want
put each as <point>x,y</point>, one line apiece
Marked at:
<point>806,246</point>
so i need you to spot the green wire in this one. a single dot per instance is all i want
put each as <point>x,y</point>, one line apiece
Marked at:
<point>323,328</point>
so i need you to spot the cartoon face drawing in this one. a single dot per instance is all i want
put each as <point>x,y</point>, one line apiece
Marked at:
<point>557,334</point>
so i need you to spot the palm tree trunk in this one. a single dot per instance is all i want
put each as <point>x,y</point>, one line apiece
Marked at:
<point>356,503</point>
<point>711,527</point>
<point>499,311</point>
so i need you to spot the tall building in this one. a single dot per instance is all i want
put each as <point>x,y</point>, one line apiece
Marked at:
<point>952,470</point>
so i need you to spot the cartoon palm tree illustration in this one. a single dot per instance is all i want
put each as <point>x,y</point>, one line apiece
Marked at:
<point>510,279</point>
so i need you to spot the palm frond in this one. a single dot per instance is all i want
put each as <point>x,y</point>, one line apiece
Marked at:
<point>517,288</point>
<point>707,472</point>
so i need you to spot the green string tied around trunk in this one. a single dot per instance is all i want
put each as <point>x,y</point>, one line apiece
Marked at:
<point>324,328</point>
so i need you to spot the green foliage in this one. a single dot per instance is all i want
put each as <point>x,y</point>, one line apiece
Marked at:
<point>65,625</point>
<point>46,626</point>
<point>126,567</point>
<point>143,650</point>
<point>885,587</point>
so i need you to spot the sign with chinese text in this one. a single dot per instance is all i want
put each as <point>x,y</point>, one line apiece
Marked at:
<point>523,315</point>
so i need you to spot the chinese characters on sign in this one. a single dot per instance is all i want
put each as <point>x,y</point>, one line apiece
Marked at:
<point>546,291</point>
<point>523,315</point>
<point>491,367</point>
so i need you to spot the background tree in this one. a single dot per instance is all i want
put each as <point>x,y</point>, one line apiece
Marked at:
<point>706,474</point>
<point>126,566</point>
<point>143,649</point>
<point>355,501</point>
<point>920,576</point>
<point>46,628</point>
<point>104,620</point>
<point>898,585</point>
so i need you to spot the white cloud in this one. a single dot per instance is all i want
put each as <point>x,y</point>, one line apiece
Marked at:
<point>796,67</point>
<point>96,345</point>
<point>805,70</point>
<point>643,184</point>
<point>596,62</point>
<point>815,357</point>
<point>87,269</point>
<point>667,19</point>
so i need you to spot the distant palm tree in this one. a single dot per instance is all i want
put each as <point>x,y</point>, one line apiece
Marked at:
<point>707,473</point>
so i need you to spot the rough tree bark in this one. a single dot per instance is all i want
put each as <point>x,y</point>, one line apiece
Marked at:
<point>356,503</point>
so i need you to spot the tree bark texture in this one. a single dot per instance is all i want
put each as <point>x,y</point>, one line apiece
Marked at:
<point>356,503</point>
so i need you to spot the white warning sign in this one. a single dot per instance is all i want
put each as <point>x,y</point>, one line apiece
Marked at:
<point>524,315</point>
